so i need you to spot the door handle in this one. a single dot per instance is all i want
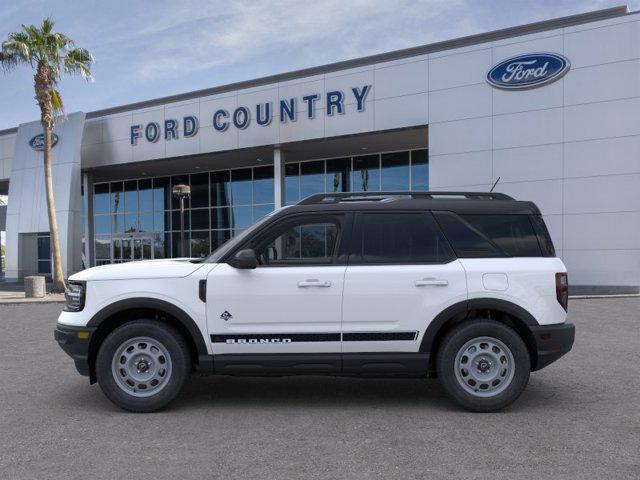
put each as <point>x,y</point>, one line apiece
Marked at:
<point>314,283</point>
<point>436,282</point>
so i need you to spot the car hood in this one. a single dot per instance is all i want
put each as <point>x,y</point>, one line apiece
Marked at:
<point>146,269</point>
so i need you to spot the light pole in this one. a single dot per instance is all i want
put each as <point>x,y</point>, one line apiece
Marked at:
<point>181,192</point>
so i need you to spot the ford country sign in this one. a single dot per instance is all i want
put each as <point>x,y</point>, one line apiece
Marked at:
<point>528,71</point>
<point>37,142</point>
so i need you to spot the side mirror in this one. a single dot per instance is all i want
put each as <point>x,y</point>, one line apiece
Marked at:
<point>244,259</point>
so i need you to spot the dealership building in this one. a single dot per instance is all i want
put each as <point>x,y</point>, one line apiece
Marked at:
<point>548,112</point>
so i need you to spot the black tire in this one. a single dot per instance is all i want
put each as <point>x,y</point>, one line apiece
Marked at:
<point>180,361</point>
<point>452,344</point>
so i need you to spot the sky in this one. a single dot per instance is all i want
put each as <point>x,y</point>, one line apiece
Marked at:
<point>148,49</point>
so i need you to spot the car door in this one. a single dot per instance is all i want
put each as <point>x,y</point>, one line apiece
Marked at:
<point>292,301</point>
<point>402,272</point>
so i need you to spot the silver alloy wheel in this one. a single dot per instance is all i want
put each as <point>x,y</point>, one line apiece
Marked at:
<point>484,367</point>
<point>141,366</point>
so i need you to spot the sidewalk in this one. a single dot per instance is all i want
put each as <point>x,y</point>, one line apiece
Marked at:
<point>13,293</point>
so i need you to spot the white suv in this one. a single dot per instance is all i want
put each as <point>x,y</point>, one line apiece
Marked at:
<point>462,286</point>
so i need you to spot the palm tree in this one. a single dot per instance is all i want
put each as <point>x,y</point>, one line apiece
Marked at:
<point>48,54</point>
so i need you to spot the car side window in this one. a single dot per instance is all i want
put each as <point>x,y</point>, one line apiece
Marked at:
<point>304,242</point>
<point>399,238</point>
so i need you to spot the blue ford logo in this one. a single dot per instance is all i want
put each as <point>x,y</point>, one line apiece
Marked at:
<point>528,71</point>
<point>37,142</point>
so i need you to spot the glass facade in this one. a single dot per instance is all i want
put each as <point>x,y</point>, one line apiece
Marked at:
<point>391,171</point>
<point>140,219</point>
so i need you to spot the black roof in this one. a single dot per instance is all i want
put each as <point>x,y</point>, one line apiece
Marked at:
<point>457,202</point>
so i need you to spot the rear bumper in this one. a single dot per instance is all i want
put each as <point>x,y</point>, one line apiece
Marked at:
<point>75,346</point>
<point>552,342</point>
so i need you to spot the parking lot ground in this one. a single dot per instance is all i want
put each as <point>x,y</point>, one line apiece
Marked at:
<point>579,418</point>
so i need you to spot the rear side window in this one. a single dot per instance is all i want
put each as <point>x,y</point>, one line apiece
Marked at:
<point>399,238</point>
<point>491,235</point>
<point>546,244</point>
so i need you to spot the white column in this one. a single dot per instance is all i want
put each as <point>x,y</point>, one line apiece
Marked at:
<point>278,177</point>
<point>87,204</point>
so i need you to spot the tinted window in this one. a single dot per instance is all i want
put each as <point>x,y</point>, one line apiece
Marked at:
<point>467,241</point>
<point>307,242</point>
<point>400,238</point>
<point>512,233</point>
<point>544,238</point>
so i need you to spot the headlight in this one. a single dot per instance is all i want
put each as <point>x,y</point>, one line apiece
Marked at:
<point>75,296</point>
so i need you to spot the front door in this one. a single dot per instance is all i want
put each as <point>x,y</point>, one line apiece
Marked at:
<point>292,302</point>
<point>131,248</point>
<point>402,273</point>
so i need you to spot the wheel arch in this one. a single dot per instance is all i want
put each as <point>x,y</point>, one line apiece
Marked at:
<point>503,311</point>
<point>124,311</point>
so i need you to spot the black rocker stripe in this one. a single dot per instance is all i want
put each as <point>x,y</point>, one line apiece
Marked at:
<point>378,336</point>
<point>288,337</point>
<point>316,337</point>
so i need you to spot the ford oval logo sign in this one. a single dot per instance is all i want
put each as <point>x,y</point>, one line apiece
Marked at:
<point>528,71</point>
<point>37,142</point>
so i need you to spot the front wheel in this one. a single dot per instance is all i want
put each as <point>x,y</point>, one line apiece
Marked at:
<point>483,365</point>
<point>142,365</point>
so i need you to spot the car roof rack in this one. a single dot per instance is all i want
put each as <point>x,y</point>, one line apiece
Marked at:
<point>339,197</point>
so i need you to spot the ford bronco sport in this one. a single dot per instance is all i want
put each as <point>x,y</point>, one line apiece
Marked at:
<point>462,286</point>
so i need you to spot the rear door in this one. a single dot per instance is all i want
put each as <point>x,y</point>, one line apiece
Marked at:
<point>401,274</point>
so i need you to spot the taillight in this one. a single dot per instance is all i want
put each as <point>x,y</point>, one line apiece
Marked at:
<point>562,289</point>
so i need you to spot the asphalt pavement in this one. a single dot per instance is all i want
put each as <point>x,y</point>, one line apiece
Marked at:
<point>578,418</point>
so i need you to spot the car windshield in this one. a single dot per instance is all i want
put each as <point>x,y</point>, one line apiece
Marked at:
<point>226,247</point>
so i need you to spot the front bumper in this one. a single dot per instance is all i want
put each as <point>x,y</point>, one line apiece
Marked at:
<point>75,342</point>
<point>552,342</point>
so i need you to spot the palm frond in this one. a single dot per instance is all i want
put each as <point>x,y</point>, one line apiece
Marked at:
<point>78,62</point>
<point>56,101</point>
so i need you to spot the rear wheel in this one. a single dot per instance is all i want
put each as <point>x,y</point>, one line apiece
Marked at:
<point>142,365</point>
<point>483,365</point>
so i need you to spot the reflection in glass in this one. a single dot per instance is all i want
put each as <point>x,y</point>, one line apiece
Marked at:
<point>263,185</point>
<point>366,173</point>
<point>220,189</point>
<point>311,178</point>
<point>260,211</point>
<point>130,196</point>
<point>161,194</point>
<point>220,218</point>
<point>101,198</point>
<point>199,244</point>
<point>200,190</point>
<point>131,222</point>
<point>102,247</point>
<point>116,197</point>
<point>200,219</point>
<point>117,223</point>
<point>145,222</point>
<point>242,217</point>
<point>219,237</point>
<point>395,171</point>
<point>160,241</point>
<point>102,224</point>
<point>338,175</point>
<point>420,170</point>
<point>292,183</point>
<point>175,220</point>
<point>145,195</point>
<point>241,186</point>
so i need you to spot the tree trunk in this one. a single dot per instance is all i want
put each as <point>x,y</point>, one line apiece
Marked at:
<point>42,84</point>
<point>58,278</point>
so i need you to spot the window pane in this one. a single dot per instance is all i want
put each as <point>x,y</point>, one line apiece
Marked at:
<point>161,194</point>
<point>220,218</point>
<point>219,237</point>
<point>117,223</point>
<point>117,249</point>
<point>103,247</point>
<point>200,190</point>
<point>200,219</point>
<point>146,222</point>
<point>145,195</point>
<point>175,220</point>
<point>466,241</point>
<point>395,171</point>
<point>102,224</point>
<point>241,186</point>
<point>116,197</point>
<point>311,178</point>
<point>292,183</point>
<point>175,245</point>
<point>161,221</point>
<point>306,243</point>
<point>101,198</point>
<point>402,238</point>
<point>179,180</point>
<point>260,211</point>
<point>420,170</point>
<point>131,196</point>
<point>338,175</point>
<point>160,244</point>
<point>44,267</point>
<point>263,185</point>
<point>199,244</point>
<point>44,247</point>
<point>242,217</point>
<point>220,189</point>
<point>127,246</point>
<point>513,233</point>
<point>366,174</point>
<point>131,222</point>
